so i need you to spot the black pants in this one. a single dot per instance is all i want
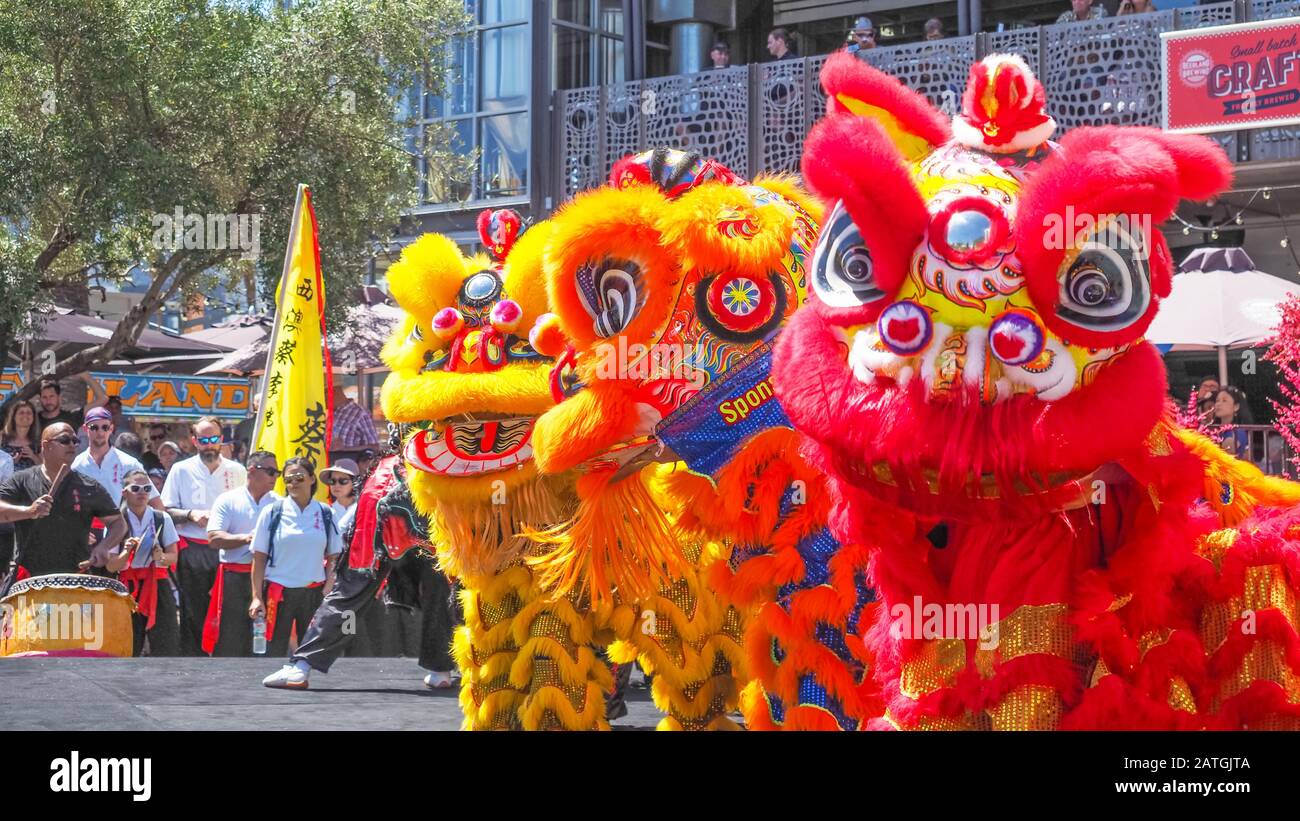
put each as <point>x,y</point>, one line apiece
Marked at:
<point>196,570</point>
<point>439,618</point>
<point>377,631</point>
<point>616,700</point>
<point>164,638</point>
<point>339,614</point>
<point>294,610</point>
<point>235,632</point>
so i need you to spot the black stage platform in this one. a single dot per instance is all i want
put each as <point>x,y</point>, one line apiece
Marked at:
<point>227,694</point>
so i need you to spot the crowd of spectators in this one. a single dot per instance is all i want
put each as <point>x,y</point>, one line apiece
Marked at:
<point>782,44</point>
<point>191,524</point>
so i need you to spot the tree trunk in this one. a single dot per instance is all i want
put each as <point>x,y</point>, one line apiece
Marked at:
<point>184,264</point>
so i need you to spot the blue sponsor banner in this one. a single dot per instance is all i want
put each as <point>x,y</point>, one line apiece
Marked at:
<point>707,430</point>
<point>165,395</point>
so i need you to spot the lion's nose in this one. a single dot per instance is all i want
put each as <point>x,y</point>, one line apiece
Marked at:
<point>969,232</point>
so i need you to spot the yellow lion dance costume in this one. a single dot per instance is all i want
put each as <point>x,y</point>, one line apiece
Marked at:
<point>469,382</point>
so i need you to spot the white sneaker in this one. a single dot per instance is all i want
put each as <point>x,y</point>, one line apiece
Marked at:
<point>287,677</point>
<point>437,681</point>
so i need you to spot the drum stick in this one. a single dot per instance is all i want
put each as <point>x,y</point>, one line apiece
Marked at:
<point>58,480</point>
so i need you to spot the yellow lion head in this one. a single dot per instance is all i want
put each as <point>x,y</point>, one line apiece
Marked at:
<point>468,380</point>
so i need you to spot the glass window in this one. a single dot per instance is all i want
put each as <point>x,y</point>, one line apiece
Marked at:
<point>505,155</point>
<point>504,11</point>
<point>610,15</point>
<point>612,64</point>
<point>408,104</point>
<point>459,99</point>
<point>505,53</point>
<point>571,53</point>
<point>656,60</point>
<point>575,11</point>
<point>458,185</point>
<point>376,393</point>
<point>348,382</point>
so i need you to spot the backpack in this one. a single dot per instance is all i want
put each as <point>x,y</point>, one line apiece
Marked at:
<point>327,520</point>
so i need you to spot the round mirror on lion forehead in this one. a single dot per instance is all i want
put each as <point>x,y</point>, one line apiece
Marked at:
<point>481,288</point>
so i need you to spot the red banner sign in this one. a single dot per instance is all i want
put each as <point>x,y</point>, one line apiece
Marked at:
<point>1232,77</point>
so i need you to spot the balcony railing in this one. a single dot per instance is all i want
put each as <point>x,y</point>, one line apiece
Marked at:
<point>753,118</point>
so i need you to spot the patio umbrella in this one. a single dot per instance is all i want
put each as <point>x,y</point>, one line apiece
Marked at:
<point>59,327</point>
<point>1219,301</point>
<point>354,344</point>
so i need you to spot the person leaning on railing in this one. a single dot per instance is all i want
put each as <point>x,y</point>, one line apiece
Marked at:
<point>1230,411</point>
<point>1082,10</point>
<point>1135,7</point>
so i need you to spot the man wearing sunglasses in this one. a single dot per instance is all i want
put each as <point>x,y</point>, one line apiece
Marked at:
<point>52,532</point>
<point>192,487</point>
<point>103,462</point>
<point>228,630</point>
<point>157,435</point>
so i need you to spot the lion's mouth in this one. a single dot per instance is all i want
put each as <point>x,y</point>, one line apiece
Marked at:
<point>472,447</point>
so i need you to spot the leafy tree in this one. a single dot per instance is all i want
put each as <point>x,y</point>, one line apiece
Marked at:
<point>116,113</point>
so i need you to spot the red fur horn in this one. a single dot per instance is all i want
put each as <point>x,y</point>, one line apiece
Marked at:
<point>1203,168</point>
<point>854,87</point>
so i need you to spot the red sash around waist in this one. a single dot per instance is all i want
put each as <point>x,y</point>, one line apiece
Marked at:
<point>212,623</point>
<point>142,582</point>
<point>274,595</point>
<point>186,542</point>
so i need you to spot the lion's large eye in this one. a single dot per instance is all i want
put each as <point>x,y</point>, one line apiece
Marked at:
<point>1107,286</point>
<point>843,274</point>
<point>611,293</point>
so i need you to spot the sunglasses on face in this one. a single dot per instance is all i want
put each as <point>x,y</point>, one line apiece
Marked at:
<point>157,437</point>
<point>340,480</point>
<point>208,440</point>
<point>99,428</point>
<point>268,470</point>
<point>139,488</point>
<point>294,479</point>
<point>66,441</point>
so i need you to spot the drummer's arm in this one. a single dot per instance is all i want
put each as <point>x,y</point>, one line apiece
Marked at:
<point>116,532</point>
<point>117,561</point>
<point>17,513</point>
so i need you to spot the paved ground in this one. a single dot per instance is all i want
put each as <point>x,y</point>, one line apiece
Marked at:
<point>227,694</point>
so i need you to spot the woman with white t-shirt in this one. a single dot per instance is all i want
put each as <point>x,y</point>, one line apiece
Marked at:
<point>294,548</point>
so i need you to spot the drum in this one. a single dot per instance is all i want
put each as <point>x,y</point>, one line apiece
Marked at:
<point>66,614</point>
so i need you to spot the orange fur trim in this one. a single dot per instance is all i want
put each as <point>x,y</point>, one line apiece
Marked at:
<point>618,539</point>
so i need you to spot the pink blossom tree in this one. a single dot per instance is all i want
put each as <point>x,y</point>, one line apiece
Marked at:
<point>1285,353</point>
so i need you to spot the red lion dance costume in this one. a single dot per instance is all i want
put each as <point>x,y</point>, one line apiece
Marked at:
<point>1049,549</point>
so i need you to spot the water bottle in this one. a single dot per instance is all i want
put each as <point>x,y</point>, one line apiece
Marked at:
<point>259,636</point>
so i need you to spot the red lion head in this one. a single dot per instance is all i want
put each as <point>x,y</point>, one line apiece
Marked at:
<point>981,292</point>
